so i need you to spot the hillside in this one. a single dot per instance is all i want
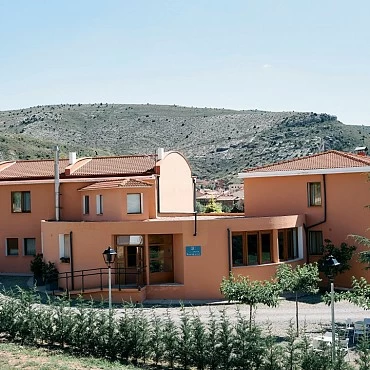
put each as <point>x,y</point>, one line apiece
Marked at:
<point>219,143</point>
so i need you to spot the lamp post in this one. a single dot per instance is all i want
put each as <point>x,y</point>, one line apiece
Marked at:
<point>109,256</point>
<point>331,263</point>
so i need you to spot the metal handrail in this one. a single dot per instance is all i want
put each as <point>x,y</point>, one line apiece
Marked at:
<point>116,271</point>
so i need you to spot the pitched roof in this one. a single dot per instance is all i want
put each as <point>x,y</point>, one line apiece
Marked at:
<point>117,184</point>
<point>332,161</point>
<point>122,165</point>
<point>92,167</point>
<point>31,169</point>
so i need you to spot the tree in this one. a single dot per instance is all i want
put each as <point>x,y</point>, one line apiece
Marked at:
<point>250,292</point>
<point>342,254</point>
<point>213,207</point>
<point>302,279</point>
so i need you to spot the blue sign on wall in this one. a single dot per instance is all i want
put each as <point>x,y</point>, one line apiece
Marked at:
<point>193,250</point>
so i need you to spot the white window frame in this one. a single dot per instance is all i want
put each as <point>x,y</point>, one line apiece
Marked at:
<point>134,203</point>
<point>99,204</point>
<point>86,201</point>
<point>6,248</point>
<point>64,245</point>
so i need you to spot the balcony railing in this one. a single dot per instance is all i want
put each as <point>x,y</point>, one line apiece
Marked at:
<point>98,278</point>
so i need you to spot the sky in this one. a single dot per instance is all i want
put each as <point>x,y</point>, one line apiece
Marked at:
<point>275,55</point>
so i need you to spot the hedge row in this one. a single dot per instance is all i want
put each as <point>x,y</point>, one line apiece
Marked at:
<point>142,336</point>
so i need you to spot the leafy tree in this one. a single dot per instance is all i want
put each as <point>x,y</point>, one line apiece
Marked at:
<point>250,292</point>
<point>302,279</point>
<point>342,254</point>
<point>213,207</point>
<point>199,207</point>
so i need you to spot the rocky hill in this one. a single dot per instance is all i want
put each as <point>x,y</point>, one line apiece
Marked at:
<point>219,143</point>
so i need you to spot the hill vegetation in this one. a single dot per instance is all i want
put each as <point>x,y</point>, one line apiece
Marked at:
<point>219,143</point>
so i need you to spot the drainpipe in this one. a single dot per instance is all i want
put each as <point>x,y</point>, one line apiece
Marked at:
<point>229,249</point>
<point>71,257</point>
<point>194,205</point>
<point>306,228</point>
<point>158,197</point>
<point>57,184</point>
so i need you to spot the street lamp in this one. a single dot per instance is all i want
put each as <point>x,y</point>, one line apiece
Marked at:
<point>109,256</point>
<point>331,263</point>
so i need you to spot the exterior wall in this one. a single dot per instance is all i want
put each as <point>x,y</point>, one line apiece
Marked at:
<point>175,184</point>
<point>195,277</point>
<point>346,197</point>
<point>23,225</point>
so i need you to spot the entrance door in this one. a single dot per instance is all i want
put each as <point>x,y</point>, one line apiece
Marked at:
<point>129,260</point>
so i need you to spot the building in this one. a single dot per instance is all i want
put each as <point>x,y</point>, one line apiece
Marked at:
<point>143,206</point>
<point>331,189</point>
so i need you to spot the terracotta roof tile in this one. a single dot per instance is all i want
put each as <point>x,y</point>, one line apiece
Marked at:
<point>32,169</point>
<point>327,160</point>
<point>100,166</point>
<point>124,165</point>
<point>117,184</point>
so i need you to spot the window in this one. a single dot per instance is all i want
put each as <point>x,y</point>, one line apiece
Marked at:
<point>12,247</point>
<point>237,249</point>
<point>288,244</point>
<point>64,246</point>
<point>29,246</point>
<point>86,204</point>
<point>314,194</point>
<point>21,201</point>
<point>251,248</point>
<point>315,242</point>
<point>133,203</point>
<point>99,204</point>
<point>160,253</point>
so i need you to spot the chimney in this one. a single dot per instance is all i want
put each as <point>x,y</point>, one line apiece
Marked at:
<point>160,153</point>
<point>361,150</point>
<point>72,157</point>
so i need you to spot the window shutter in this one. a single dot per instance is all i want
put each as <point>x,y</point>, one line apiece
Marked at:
<point>61,245</point>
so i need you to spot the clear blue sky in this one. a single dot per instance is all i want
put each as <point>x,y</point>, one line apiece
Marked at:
<point>302,55</point>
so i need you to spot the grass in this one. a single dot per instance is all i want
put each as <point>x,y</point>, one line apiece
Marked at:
<point>14,356</point>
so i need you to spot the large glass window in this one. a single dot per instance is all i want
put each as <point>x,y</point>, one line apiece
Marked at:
<point>288,244</point>
<point>315,242</point>
<point>160,253</point>
<point>251,248</point>
<point>237,250</point>
<point>266,247</point>
<point>314,194</point>
<point>12,246</point>
<point>21,201</point>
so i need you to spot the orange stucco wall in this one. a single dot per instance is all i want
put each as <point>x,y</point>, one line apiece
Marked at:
<point>346,197</point>
<point>23,225</point>
<point>195,277</point>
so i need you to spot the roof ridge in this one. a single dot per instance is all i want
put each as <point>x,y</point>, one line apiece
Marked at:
<point>356,157</point>
<point>290,160</point>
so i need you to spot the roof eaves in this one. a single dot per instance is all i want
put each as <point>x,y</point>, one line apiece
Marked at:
<point>320,171</point>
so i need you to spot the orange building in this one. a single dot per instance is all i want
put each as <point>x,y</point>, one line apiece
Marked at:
<point>331,189</point>
<point>143,206</point>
